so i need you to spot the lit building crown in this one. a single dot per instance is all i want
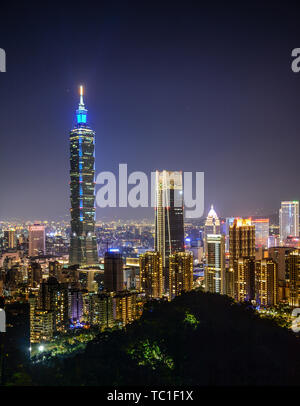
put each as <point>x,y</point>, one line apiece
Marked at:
<point>81,112</point>
<point>212,217</point>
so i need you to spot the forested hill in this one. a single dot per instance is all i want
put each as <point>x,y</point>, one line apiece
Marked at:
<point>197,339</point>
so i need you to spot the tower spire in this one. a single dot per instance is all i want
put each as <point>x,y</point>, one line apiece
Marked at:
<point>81,104</point>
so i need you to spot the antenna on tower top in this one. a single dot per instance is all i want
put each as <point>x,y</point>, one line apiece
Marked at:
<point>81,95</point>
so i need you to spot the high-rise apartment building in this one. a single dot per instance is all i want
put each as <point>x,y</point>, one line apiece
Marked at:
<point>241,244</point>
<point>113,271</point>
<point>83,248</point>
<point>36,240</point>
<point>214,273</point>
<point>180,273</point>
<point>245,279</point>
<point>266,282</point>
<point>151,275</point>
<point>289,220</point>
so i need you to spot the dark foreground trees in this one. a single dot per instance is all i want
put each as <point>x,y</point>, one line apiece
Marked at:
<point>197,339</point>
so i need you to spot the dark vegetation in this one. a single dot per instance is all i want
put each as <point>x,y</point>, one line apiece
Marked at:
<point>197,339</point>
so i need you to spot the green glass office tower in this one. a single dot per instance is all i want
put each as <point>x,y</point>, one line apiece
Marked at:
<point>83,248</point>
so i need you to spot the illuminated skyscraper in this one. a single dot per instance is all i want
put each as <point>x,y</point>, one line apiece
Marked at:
<point>289,220</point>
<point>151,274</point>
<point>266,282</point>
<point>241,244</point>
<point>181,273</point>
<point>36,240</point>
<point>83,249</point>
<point>215,263</point>
<point>261,232</point>
<point>169,222</point>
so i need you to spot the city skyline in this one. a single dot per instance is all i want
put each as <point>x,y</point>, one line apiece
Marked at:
<point>169,99</point>
<point>149,220</point>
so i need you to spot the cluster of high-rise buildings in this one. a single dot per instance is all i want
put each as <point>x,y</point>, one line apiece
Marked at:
<point>241,260</point>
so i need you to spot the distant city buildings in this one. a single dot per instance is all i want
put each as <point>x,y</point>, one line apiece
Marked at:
<point>289,220</point>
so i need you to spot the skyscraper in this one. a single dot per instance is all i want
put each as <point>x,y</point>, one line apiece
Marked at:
<point>241,244</point>
<point>36,240</point>
<point>289,220</point>
<point>181,273</point>
<point>169,222</point>
<point>83,249</point>
<point>113,271</point>
<point>214,273</point>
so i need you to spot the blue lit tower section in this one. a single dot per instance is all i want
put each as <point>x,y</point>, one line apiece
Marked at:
<point>83,248</point>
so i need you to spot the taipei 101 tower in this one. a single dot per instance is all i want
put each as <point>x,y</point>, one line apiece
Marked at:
<point>83,247</point>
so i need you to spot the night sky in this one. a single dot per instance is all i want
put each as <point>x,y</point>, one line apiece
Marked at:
<point>167,87</point>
